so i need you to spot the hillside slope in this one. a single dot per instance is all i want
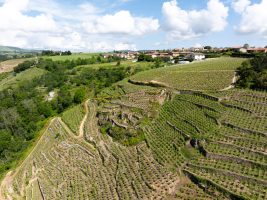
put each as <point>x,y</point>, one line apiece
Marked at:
<point>153,141</point>
<point>9,65</point>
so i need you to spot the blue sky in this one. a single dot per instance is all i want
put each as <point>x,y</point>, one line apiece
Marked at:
<point>103,25</point>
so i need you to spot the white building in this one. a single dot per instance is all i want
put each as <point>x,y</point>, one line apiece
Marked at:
<point>197,56</point>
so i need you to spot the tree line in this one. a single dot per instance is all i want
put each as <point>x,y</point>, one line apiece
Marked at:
<point>253,73</point>
<point>55,53</point>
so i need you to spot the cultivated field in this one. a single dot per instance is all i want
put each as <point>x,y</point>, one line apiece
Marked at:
<point>8,66</point>
<point>153,142</point>
<point>74,56</point>
<point>73,118</point>
<point>214,74</point>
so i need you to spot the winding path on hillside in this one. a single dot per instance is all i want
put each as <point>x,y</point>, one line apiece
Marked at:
<point>81,129</point>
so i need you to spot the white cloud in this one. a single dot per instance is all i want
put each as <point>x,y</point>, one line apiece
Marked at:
<point>253,19</point>
<point>52,26</point>
<point>183,24</point>
<point>14,5</point>
<point>240,5</point>
<point>106,46</point>
<point>12,18</point>
<point>121,22</point>
<point>198,45</point>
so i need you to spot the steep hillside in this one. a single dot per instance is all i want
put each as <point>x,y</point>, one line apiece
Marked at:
<point>154,136</point>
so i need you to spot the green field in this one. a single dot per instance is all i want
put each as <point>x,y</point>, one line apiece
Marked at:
<point>125,64</point>
<point>14,80</point>
<point>73,118</point>
<point>214,74</point>
<point>71,57</point>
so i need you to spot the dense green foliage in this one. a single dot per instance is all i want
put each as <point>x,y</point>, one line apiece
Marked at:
<point>148,58</point>
<point>253,74</point>
<point>55,53</point>
<point>143,57</point>
<point>24,66</point>
<point>79,95</point>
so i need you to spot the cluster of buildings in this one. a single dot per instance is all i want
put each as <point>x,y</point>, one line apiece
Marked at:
<point>193,53</point>
<point>167,55</point>
<point>249,49</point>
<point>130,55</point>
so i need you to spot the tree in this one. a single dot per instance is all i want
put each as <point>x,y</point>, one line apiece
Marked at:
<point>24,66</point>
<point>118,63</point>
<point>141,57</point>
<point>5,139</point>
<point>253,73</point>
<point>64,99</point>
<point>158,63</point>
<point>79,96</point>
<point>208,47</point>
<point>246,46</point>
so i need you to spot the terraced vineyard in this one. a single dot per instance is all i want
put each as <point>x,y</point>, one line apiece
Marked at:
<point>144,142</point>
<point>196,76</point>
<point>73,118</point>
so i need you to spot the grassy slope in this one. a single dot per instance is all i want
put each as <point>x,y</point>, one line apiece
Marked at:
<point>73,117</point>
<point>214,74</point>
<point>13,81</point>
<point>71,57</point>
<point>125,64</point>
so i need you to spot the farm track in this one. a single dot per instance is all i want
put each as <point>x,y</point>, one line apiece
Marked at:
<point>81,129</point>
<point>232,85</point>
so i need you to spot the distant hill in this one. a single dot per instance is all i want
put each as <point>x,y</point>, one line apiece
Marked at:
<point>8,49</point>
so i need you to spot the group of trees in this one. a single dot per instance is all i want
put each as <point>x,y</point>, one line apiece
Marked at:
<point>253,73</point>
<point>24,66</point>
<point>4,57</point>
<point>143,57</point>
<point>158,62</point>
<point>55,53</point>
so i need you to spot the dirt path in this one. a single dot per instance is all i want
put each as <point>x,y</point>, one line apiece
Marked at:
<point>7,181</point>
<point>81,129</point>
<point>232,85</point>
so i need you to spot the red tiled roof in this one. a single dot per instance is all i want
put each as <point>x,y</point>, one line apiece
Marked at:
<point>257,49</point>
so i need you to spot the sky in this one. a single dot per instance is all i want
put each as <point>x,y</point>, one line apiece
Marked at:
<point>105,25</point>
